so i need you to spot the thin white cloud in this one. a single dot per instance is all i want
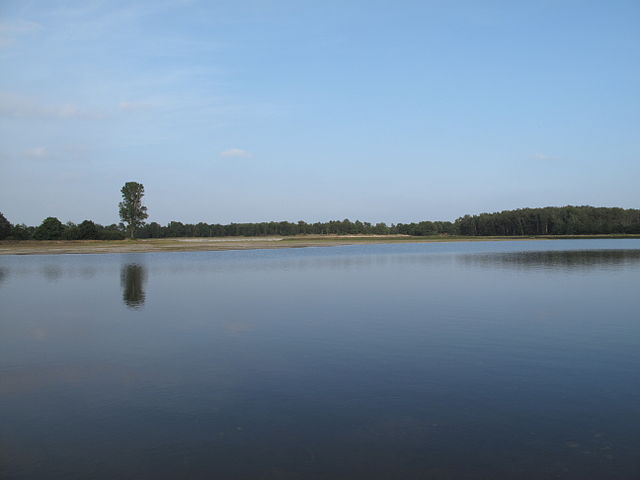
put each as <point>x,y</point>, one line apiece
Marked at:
<point>544,156</point>
<point>131,106</point>
<point>19,26</point>
<point>69,153</point>
<point>37,152</point>
<point>236,153</point>
<point>10,31</point>
<point>17,106</point>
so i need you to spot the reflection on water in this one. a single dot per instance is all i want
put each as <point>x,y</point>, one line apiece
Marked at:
<point>468,361</point>
<point>557,260</point>
<point>132,279</point>
<point>52,272</point>
<point>87,272</point>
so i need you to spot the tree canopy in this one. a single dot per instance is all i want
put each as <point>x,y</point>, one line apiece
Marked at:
<point>569,220</point>
<point>50,229</point>
<point>132,212</point>
<point>5,227</point>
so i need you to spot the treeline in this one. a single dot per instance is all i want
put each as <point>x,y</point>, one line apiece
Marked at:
<point>53,229</point>
<point>334,227</point>
<point>568,220</point>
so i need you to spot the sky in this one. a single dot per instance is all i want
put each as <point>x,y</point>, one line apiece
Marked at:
<point>246,111</point>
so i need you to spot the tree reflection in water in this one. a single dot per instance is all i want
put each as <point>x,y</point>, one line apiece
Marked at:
<point>132,279</point>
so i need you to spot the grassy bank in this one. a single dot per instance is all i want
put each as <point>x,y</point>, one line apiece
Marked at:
<point>34,247</point>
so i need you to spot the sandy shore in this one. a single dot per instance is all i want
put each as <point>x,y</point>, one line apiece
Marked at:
<point>33,247</point>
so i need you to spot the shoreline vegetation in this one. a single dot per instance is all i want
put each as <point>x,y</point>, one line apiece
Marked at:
<point>52,236</point>
<point>49,247</point>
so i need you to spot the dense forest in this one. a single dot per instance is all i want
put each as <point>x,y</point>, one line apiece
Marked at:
<point>552,221</point>
<point>567,220</point>
<point>334,227</point>
<point>53,229</point>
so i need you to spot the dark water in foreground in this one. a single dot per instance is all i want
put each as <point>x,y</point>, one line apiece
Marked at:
<point>506,360</point>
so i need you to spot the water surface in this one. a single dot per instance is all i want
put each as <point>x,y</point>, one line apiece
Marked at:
<point>480,360</point>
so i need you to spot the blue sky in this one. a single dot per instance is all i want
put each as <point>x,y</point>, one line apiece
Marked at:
<point>276,110</point>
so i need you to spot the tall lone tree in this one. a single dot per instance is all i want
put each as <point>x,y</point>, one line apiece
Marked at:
<point>132,212</point>
<point>5,227</point>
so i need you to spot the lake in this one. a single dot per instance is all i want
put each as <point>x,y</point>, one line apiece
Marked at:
<point>473,360</point>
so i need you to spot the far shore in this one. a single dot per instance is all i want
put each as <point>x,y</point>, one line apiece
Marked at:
<point>49,247</point>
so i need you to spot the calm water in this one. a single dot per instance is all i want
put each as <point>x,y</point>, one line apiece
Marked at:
<point>488,360</point>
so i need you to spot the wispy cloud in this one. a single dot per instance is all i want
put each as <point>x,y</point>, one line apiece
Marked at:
<point>134,106</point>
<point>236,153</point>
<point>10,31</point>
<point>544,156</point>
<point>17,106</point>
<point>37,152</point>
<point>56,154</point>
